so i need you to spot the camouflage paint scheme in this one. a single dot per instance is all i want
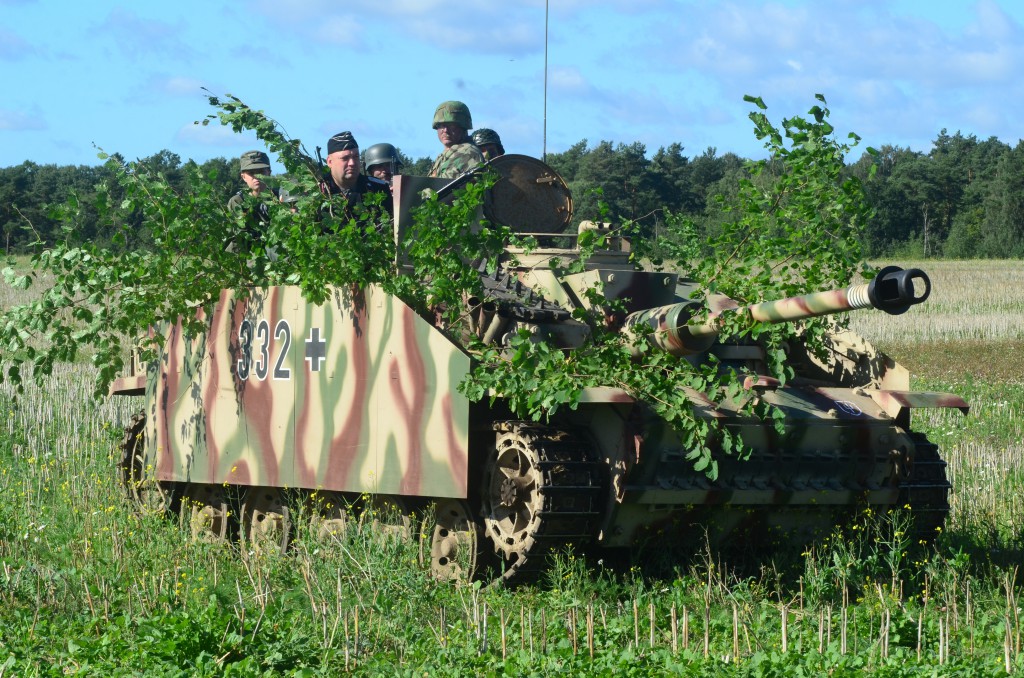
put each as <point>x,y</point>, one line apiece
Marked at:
<point>359,395</point>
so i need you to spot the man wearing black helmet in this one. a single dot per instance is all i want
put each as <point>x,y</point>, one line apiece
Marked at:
<point>381,161</point>
<point>489,143</point>
<point>344,177</point>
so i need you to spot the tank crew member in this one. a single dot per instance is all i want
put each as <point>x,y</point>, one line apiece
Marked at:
<point>453,122</point>
<point>381,161</point>
<point>344,177</point>
<point>489,143</point>
<point>254,166</point>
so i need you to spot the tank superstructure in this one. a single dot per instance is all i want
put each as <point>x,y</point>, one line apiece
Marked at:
<point>283,402</point>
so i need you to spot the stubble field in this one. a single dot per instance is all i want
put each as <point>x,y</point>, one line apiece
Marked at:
<point>87,587</point>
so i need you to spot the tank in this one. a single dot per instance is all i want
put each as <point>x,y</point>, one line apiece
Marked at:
<point>285,410</point>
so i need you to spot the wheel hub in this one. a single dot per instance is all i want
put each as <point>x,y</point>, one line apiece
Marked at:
<point>509,493</point>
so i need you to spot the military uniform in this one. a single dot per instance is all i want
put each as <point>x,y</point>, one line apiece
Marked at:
<point>459,154</point>
<point>456,160</point>
<point>238,199</point>
<point>364,185</point>
<point>257,219</point>
<point>337,145</point>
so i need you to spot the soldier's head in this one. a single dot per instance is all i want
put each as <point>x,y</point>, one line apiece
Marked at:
<point>254,165</point>
<point>343,159</point>
<point>489,143</point>
<point>452,122</point>
<point>382,161</point>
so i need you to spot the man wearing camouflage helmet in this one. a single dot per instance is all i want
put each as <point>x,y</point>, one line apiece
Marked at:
<point>344,177</point>
<point>489,143</point>
<point>381,161</point>
<point>453,122</point>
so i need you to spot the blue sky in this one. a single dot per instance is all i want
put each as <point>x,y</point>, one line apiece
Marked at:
<point>127,76</point>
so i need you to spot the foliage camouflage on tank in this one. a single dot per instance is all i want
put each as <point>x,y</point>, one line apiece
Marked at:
<point>283,403</point>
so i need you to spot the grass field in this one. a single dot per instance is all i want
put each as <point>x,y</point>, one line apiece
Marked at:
<point>87,587</point>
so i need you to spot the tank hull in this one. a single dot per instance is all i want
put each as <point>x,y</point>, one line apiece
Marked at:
<point>358,397</point>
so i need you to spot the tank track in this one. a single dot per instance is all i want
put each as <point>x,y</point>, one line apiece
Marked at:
<point>517,301</point>
<point>144,493</point>
<point>926,490</point>
<point>132,444</point>
<point>566,496</point>
<point>922,493</point>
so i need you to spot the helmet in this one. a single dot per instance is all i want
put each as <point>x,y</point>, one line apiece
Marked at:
<point>453,111</point>
<point>380,154</point>
<point>486,136</point>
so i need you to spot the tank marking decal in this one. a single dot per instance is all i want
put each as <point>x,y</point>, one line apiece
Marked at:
<point>305,468</point>
<point>316,350</point>
<point>849,407</point>
<point>261,442</point>
<point>364,398</point>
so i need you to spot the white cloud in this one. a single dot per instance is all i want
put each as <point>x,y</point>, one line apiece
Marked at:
<point>992,23</point>
<point>177,85</point>
<point>139,37</point>
<point>213,135</point>
<point>13,47</point>
<point>985,115</point>
<point>21,121</point>
<point>157,87</point>
<point>568,78</point>
<point>339,30</point>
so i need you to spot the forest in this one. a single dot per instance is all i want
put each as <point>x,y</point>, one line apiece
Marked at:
<point>962,199</point>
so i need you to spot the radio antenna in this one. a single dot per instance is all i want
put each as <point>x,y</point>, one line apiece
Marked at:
<point>544,150</point>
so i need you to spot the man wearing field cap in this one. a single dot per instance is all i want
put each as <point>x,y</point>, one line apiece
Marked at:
<point>253,166</point>
<point>344,177</point>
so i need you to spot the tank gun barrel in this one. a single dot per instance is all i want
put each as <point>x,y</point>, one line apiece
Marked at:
<point>892,291</point>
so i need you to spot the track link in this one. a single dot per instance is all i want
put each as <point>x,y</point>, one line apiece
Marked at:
<point>926,490</point>
<point>542,490</point>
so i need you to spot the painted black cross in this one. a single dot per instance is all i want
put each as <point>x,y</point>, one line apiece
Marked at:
<point>316,349</point>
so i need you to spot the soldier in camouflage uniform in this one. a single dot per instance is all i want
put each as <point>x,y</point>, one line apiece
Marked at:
<point>489,143</point>
<point>344,177</point>
<point>453,122</point>
<point>253,166</point>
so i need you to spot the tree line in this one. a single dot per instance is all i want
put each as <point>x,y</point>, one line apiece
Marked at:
<point>962,199</point>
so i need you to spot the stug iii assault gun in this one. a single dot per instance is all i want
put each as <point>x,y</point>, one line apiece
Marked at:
<point>350,406</point>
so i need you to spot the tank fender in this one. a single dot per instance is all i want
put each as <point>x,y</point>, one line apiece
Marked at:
<point>897,403</point>
<point>134,385</point>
